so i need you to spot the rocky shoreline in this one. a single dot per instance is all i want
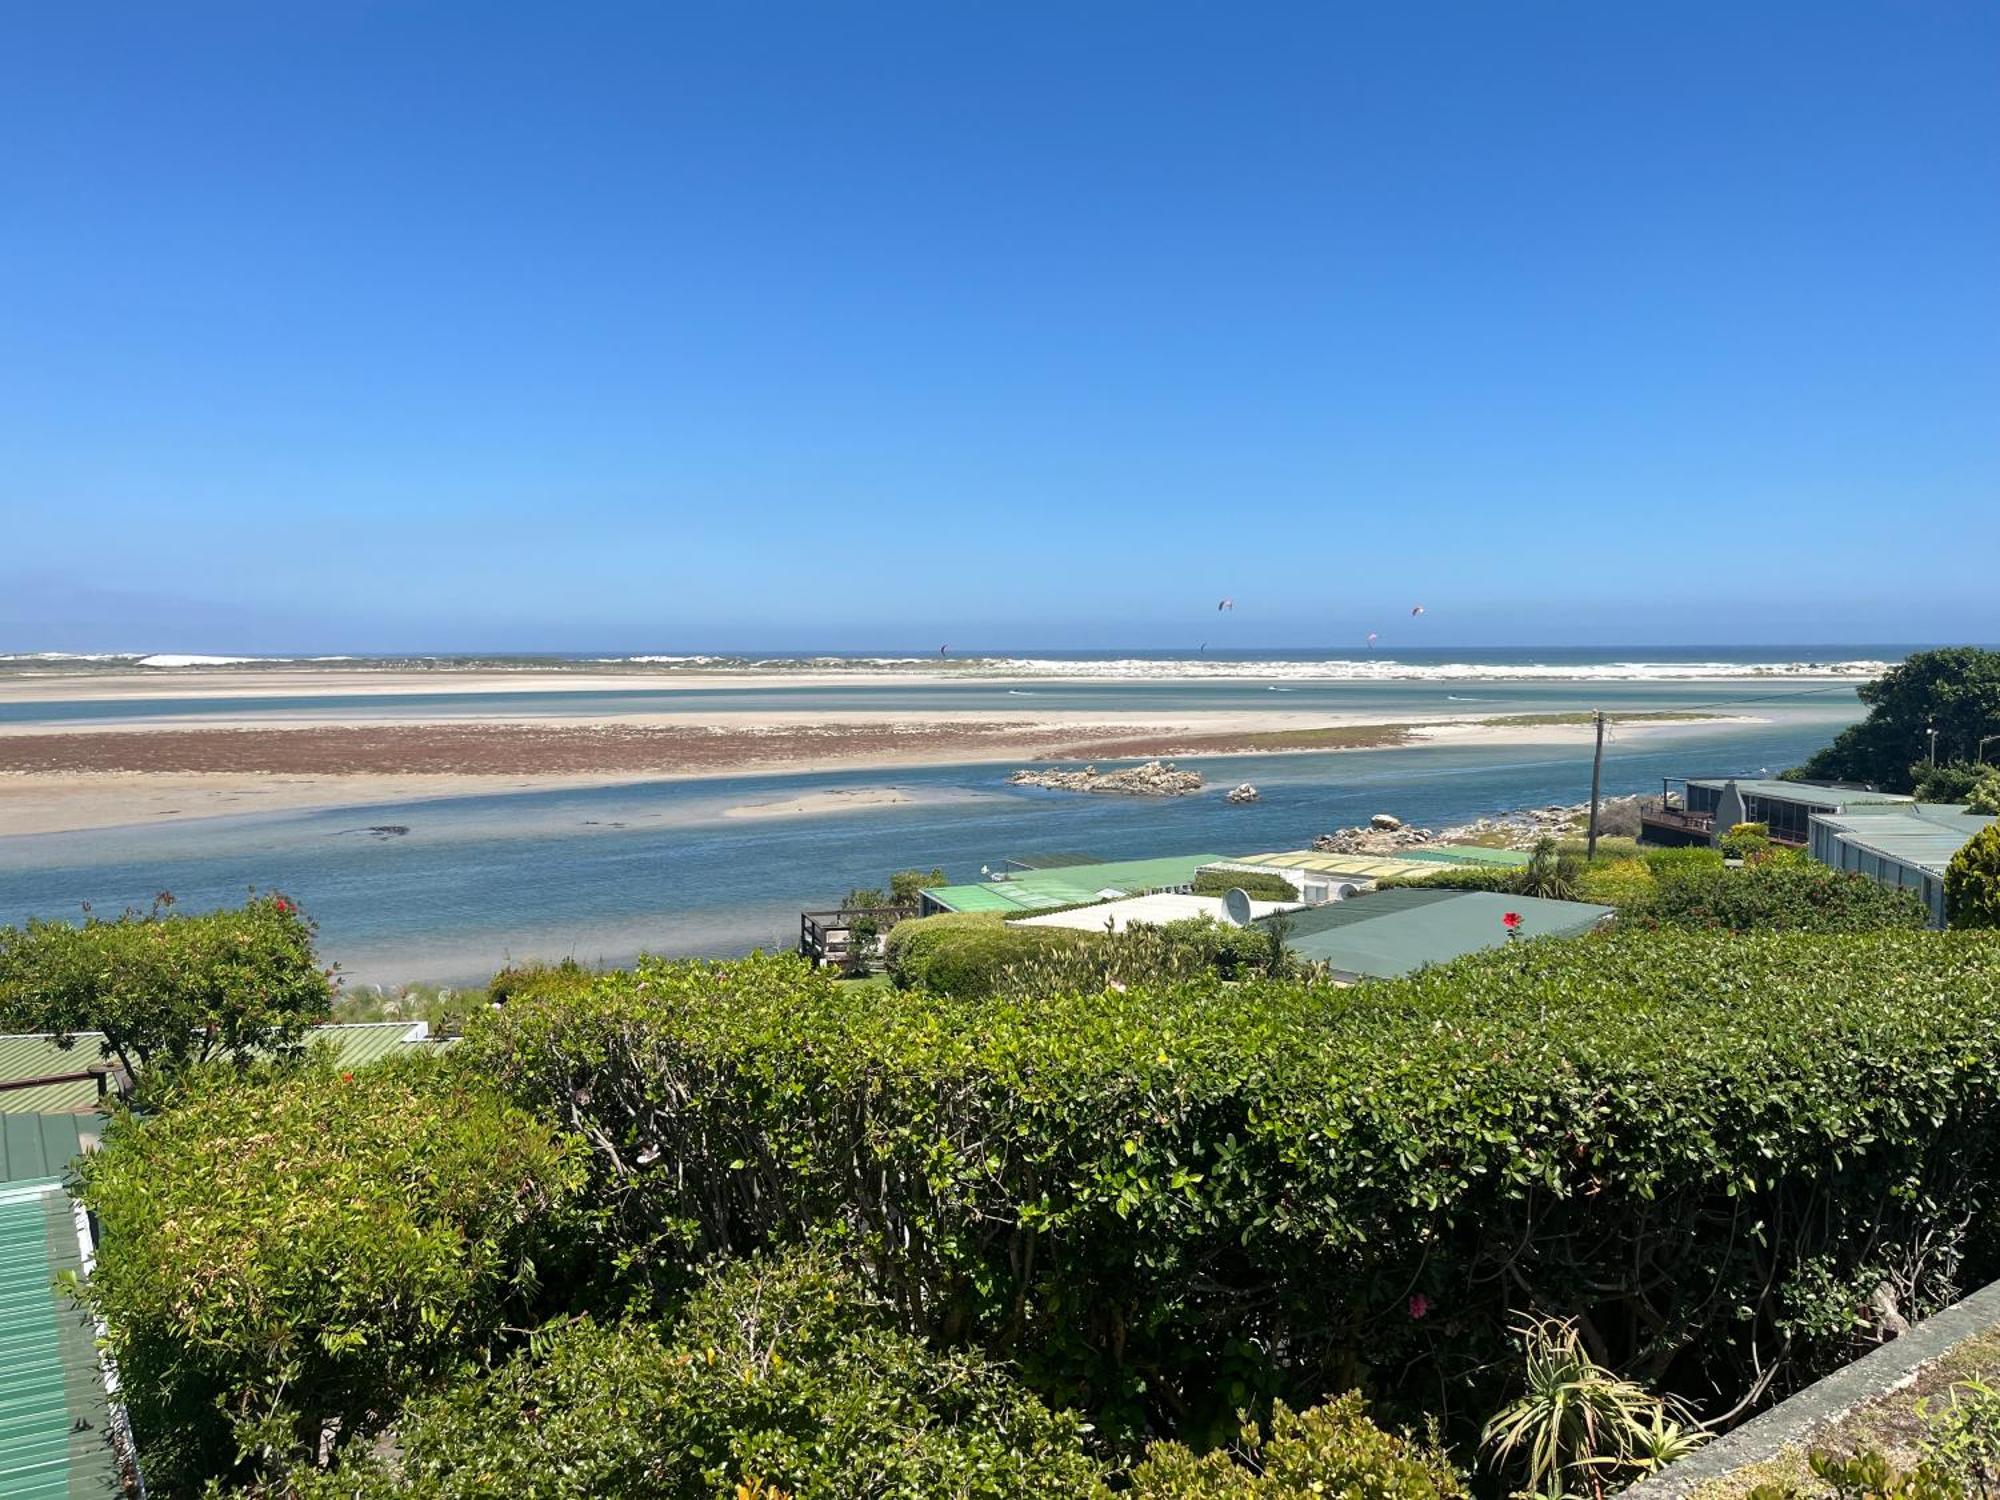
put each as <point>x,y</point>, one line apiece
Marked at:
<point>1154,779</point>
<point>1386,834</point>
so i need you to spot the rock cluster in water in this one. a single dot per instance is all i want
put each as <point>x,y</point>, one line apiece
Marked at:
<point>1241,794</point>
<point>1385,833</point>
<point>1153,779</point>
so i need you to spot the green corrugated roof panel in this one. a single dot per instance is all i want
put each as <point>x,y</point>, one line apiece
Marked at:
<point>39,1148</point>
<point>55,1425</point>
<point>355,1044</point>
<point>1072,885</point>
<point>1386,933</point>
<point>39,1057</point>
<point>1465,854</point>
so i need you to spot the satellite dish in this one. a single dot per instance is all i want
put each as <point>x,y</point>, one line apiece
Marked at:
<point>1236,906</point>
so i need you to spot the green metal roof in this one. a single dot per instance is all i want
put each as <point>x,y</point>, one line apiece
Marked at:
<point>355,1044</point>
<point>39,1148</point>
<point>55,1423</point>
<point>1921,835</point>
<point>1381,934</point>
<point>1071,885</point>
<point>1057,860</point>
<point>1805,793</point>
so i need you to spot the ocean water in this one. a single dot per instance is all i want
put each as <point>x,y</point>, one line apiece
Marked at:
<point>605,873</point>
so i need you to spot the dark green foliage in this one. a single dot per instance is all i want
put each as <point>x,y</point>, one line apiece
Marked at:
<point>1332,1450</point>
<point>166,988</point>
<point>1779,893</point>
<point>1955,690</point>
<point>1952,781</point>
<point>777,1375</point>
<point>1257,885</point>
<point>309,1248</point>
<point>1972,881</point>
<point>1166,1204</point>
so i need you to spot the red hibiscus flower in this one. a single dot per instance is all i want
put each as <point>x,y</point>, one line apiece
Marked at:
<point>1511,921</point>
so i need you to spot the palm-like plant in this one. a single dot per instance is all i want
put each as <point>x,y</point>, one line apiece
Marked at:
<point>1577,1422</point>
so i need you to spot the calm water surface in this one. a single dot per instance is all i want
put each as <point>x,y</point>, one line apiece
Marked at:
<point>605,873</point>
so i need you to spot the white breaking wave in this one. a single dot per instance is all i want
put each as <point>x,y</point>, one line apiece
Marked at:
<point>171,659</point>
<point>1388,670</point>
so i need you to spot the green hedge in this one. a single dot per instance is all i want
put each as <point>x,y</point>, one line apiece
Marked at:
<point>1255,884</point>
<point>967,953</point>
<point>776,1376</point>
<point>309,1249</point>
<point>1783,892</point>
<point>781,1377</point>
<point>1169,1204</point>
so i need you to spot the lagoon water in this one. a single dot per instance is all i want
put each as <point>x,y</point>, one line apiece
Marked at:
<point>607,872</point>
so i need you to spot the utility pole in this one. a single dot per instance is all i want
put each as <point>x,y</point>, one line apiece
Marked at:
<point>1596,780</point>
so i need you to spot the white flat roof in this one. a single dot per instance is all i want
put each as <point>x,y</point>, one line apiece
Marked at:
<point>1147,911</point>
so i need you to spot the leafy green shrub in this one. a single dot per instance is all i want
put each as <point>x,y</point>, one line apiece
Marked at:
<point>287,1259</point>
<point>540,978</point>
<point>1258,885</point>
<point>1783,894</point>
<point>1167,1203</point>
<point>967,953</point>
<point>1985,797</point>
<point>1330,1450</point>
<point>778,1374</point>
<point>1745,840</point>
<point>1963,1440</point>
<point>1972,881</point>
<point>1868,1476</point>
<point>166,988</point>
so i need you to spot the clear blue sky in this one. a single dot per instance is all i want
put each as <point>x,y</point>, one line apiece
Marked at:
<point>368,325</point>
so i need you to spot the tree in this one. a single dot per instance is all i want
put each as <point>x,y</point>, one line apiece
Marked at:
<point>165,988</point>
<point>1972,881</point>
<point>863,897</point>
<point>1955,690</point>
<point>1951,782</point>
<point>862,934</point>
<point>904,885</point>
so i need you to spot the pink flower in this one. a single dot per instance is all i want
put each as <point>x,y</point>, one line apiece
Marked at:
<point>1511,921</point>
<point>1419,1305</point>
